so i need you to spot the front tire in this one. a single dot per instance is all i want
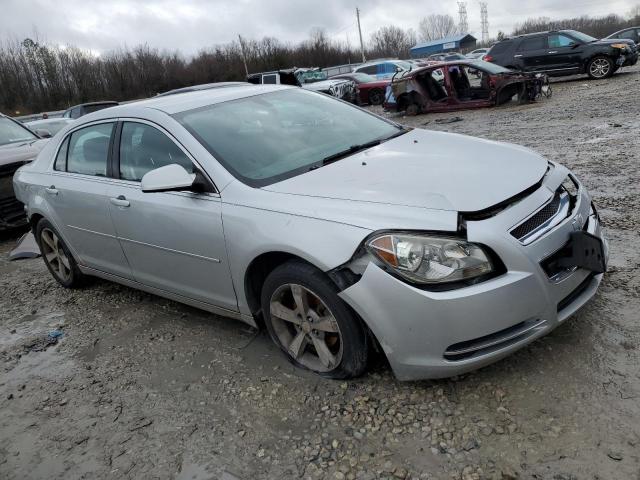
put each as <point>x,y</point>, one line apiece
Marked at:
<point>57,257</point>
<point>315,329</point>
<point>376,97</point>
<point>600,67</point>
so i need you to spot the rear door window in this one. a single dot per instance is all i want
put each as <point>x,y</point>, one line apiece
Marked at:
<point>89,150</point>
<point>61,158</point>
<point>533,43</point>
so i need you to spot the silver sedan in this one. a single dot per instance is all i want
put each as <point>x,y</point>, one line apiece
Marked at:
<point>339,231</point>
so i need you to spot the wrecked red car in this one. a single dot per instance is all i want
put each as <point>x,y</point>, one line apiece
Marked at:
<point>370,89</point>
<point>461,85</point>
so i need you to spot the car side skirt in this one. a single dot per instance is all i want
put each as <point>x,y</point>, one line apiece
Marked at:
<point>248,319</point>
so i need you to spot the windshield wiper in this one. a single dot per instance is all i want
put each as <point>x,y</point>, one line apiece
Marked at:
<point>356,148</point>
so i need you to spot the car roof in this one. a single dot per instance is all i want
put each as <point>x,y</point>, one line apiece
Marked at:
<point>377,62</point>
<point>171,104</point>
<point>204,86</point>
<point>42,121</point>
<point>88,104</point>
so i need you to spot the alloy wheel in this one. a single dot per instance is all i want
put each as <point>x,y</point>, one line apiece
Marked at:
<point>600,68</point>
<point>54,254</point>
<point>306,328</point>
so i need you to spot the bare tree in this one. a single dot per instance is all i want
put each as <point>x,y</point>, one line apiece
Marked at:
<point>598,27</point>
<point>392,41</point>
<point>435,27</point>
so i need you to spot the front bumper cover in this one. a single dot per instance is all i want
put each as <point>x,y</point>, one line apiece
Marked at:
<point>428,334</point>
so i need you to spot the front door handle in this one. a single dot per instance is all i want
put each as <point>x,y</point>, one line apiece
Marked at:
<point>51,190</point>
<point>120,201</point>
<point>554,51</point>
<point>517,56</point>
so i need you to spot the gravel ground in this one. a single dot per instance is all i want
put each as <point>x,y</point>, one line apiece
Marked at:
<point>141,387</point>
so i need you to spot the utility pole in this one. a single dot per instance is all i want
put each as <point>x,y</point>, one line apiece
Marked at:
<point>360,33</point>
<point>244,55</point>
<point>484,22</point>
<point>463,24</point>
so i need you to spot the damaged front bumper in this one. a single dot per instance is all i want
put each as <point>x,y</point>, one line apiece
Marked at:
<point>428,334</point>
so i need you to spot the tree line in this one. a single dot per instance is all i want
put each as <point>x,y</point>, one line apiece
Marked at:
<point>36,77</point>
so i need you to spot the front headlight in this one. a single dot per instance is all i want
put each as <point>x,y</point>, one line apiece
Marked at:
<point>429,259</point>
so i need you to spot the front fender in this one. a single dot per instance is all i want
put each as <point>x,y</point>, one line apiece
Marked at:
<point>250,232</point>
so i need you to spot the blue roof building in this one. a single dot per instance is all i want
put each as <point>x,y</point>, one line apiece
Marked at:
<point>463,41</point>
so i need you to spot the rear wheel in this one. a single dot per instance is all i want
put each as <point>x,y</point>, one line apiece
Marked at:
<point>311,324</point>
<point>57,257</point>
<point>600,67</point>
<point>376,97</point>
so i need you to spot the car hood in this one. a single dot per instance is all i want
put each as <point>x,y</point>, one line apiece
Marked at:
<point>611,41</point>
<point>427,169</point>
<point>21,152</point>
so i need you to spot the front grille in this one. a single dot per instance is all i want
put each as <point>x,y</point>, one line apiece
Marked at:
<point>545,214</point>
<point>579,290</point>
<point>492,342</point>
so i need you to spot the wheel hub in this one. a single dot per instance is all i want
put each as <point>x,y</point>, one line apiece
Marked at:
<point>306,328</point>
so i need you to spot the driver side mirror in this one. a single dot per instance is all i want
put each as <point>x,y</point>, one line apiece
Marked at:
<point>169,178</point>
<point>43,133</point>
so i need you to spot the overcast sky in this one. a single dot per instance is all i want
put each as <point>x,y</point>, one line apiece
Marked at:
<point>189,25</point>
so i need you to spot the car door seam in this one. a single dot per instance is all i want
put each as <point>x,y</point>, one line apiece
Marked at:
<point>211,259</point>
<point>91,231</point>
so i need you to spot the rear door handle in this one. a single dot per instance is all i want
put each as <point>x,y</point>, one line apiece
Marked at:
<point>554,51</point>
<point>51,190</point>
<point>120,201</point>
<point>517,56</point>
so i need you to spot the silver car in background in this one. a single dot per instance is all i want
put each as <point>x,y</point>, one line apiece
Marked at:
<point>338,230</point>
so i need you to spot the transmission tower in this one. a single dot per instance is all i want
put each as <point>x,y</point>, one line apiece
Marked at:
<point>484,21</point>
<point>463,24</point>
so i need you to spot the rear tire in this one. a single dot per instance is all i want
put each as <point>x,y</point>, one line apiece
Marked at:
<point>57,256</point>
<point>313,327</point>
<point>600,67</point>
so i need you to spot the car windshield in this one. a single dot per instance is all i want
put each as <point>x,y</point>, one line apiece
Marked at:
<point>491,67</point>
<point>583,37</point>
<point>13,132</point>
<point>267,138</point>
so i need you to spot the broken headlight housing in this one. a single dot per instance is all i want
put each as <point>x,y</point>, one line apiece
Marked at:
<point>430,260</point>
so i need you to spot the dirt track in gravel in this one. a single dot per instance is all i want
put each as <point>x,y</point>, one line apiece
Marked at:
<point>141,387</point>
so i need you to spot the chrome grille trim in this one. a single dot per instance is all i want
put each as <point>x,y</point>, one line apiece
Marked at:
<point>544,219</point>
